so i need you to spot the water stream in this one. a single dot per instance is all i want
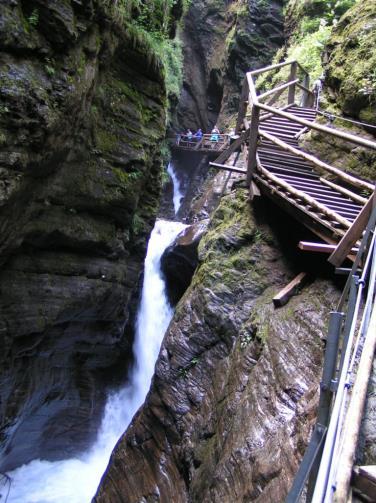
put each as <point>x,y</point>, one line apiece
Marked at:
<point>76,480</point>
<point>178,195</point>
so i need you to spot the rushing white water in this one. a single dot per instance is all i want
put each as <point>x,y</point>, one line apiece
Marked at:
<point>76,480</point>
<point>178,195</point>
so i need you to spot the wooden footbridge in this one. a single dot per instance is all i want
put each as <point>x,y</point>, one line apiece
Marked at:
<point>342,212</point>
<point>206,144</point>
<point>294,179</point>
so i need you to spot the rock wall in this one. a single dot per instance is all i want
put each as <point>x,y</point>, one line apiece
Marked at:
<point>82,115</point>
<point>235,389</point>
<point>350,62</point>
<point>221,41</point>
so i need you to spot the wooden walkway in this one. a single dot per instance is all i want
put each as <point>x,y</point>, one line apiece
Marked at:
<point>205,145</point>
<point>341,210</point>
<point>296,180</point>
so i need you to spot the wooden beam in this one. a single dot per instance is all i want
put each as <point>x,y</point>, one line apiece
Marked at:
<point>242,106</point>
<point>234,146</point>
<point>227,167</point>
<point>323,129</point>
<point>254,191</point>
<point>323,165</point>
<point>291,95</point>
<point>271,67</point>
<point>333,215</point>
<point>313,221</point>
<point>252,143</point>
<point>352,235</point>
<point>346,192</point>
<point>364,481</point>
<point>319,247</point>
<point>282,87</point>
<point>354,413</point>
<point>291,289</point>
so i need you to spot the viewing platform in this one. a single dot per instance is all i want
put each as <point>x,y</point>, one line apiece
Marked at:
<point>206,144</point>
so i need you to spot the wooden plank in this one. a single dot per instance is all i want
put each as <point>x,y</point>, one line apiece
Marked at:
<point>234,146</point>
<point>324,129</point>
<point>319,247</point>
<point>226,167</point>
<point>352,235</point>
<point>254,191</point>
<point>322,228</point>
<point>364,481</point>
<point>308,199</point>
<point>252,143</point>
<point>355,197</point>
<point>291,289</point>
<point>331,169</point>
<point>242,106</point>
<point>354,413</point>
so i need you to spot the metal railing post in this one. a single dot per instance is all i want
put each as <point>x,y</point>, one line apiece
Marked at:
<point>328,372</point>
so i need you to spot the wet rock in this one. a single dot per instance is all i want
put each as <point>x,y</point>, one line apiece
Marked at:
<point>179,261</point>
<point>234,394</point>
<point>223,40</point>
<point>82,115</point>
<point>350,61</point>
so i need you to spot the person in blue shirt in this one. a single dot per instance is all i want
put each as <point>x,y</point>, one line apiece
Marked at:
<point>214,134</point>
<point>198,135</point>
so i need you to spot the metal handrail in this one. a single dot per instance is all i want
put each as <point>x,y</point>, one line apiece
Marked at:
<point>325,483</point>
<point>323,453</point>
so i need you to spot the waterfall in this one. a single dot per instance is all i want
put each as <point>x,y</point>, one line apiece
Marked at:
<point>178,195</point>
<point>76,480</point>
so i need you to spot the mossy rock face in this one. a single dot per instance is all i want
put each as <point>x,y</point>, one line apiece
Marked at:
<point>223,40</point>
<point>235,388</point>
<point>82,117</point>
<point>350,68</point>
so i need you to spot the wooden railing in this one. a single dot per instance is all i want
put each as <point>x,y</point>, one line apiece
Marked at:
<point>253,101</point>
<point>206,142</point>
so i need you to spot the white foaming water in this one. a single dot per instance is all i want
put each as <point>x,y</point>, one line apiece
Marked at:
<point>76,480</point>
<point>178,195</point>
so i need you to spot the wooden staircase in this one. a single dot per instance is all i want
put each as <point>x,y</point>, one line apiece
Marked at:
<point>296,180</point>
<point>342,212</point>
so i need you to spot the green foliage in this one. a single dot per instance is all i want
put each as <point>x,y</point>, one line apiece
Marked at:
<point>314,21</point>
<point>183,371</point>
<point>308,50</point>
<point>50,70</point>
<point>172,58</point>
<point>33,19</point>
<point>149,24</point>
<point>138,224</point>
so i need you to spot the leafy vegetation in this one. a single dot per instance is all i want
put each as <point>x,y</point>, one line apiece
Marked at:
<point>152,23</point>
<point>311,23</point>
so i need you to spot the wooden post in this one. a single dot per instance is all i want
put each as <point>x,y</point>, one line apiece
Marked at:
<point>242,106</point>
<point>252,144</point>
<point>305,93</point>
<point>293,71</point>
<point>352,235</point>
<point>355,412</point>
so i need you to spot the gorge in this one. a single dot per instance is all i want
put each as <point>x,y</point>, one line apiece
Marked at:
<point>163,368</point>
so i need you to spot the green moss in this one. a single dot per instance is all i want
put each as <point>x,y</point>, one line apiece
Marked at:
<point>106,140</point>
<point>352,60</point>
